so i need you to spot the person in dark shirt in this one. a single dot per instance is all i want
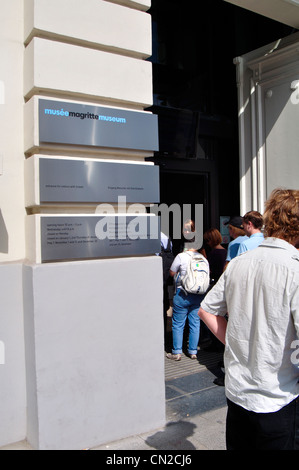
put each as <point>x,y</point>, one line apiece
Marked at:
<point>217,254</point>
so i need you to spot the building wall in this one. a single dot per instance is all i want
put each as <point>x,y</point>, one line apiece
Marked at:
<point>267,81</point>
<point>78,370</point>
<point>70,51</point>
<point>12,366</point>
<point>12,238</point>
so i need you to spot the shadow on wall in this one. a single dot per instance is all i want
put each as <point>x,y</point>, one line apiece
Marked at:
<point>3,235</point>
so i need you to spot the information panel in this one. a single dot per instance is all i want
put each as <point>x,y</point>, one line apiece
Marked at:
<point>63,122</point>
<point>88,237</point>
<point>87,181</point>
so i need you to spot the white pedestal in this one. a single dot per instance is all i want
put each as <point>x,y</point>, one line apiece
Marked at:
<point>94,351</point>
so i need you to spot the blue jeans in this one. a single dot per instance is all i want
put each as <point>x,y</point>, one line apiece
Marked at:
<point>185,306</point>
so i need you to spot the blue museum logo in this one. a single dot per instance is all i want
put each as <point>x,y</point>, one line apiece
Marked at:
<point>99,117</point>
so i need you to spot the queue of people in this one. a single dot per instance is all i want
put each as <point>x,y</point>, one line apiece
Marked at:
<point>251,307</point>
<point>185,305</point>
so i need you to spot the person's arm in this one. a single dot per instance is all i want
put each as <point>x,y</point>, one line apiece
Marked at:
<point>174,268</point>
<point>216,324</point>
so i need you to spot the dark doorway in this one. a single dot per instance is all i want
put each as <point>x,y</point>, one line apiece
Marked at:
<point>185,189</point>
<point>195,98</point>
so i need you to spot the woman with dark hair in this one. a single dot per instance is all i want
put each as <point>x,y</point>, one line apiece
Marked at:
<point>217,255</point>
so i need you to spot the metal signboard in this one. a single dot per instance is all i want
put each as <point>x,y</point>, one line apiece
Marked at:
<point>98,236</point>
<point>88,181</point>
<point>68,123</point>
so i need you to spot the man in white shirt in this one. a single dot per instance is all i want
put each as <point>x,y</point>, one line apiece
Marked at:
<point>260,293</point>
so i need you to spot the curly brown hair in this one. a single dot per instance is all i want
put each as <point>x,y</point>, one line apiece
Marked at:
<point>281,215</point>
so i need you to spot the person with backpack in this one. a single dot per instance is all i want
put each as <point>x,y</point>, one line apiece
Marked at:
<point>192,277</point>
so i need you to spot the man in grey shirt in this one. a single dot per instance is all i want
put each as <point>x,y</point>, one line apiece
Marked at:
<point>259,291</point>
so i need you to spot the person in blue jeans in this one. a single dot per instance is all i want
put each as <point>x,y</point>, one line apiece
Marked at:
<point>185,306</point>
